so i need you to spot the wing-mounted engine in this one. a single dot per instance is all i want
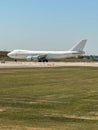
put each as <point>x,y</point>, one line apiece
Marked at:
<point>40,58</point>
<point>29,58</point>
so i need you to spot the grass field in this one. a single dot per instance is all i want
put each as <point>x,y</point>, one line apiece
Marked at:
<point>64,98</point>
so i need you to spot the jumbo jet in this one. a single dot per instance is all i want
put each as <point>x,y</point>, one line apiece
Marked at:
<point>44,56</point>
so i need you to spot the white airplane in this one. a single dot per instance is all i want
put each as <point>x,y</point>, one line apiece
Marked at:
<point>44,56</point>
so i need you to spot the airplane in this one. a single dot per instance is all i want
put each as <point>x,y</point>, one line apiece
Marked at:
<point>44,56</point>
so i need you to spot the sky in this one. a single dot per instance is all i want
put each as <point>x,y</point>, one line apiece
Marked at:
<point>48,24</point>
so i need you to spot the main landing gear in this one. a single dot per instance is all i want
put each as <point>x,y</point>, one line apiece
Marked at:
<point>42,60</point>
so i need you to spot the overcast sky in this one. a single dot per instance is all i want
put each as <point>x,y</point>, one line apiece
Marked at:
<point>48,24</point>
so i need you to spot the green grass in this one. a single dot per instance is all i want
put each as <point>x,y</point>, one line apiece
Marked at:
<point>63,98</point>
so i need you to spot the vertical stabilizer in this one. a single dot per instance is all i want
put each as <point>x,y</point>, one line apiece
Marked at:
<point>79,47</point>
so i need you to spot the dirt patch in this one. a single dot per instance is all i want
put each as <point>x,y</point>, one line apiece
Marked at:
<point>1,110</point>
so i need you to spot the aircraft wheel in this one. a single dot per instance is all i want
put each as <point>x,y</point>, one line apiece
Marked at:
<point>15,60</point>
<point>46,60</point>
<point>39,61</point>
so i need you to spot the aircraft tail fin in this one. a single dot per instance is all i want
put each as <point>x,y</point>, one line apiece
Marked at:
<point>80,46</point>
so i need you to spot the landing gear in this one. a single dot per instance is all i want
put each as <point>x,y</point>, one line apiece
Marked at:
<point>15,60</point>
<point>42,60</point>
<point>45,60</point>
<point>39,60</point>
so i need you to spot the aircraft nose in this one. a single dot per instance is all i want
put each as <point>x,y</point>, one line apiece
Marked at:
<point>9,54</point>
